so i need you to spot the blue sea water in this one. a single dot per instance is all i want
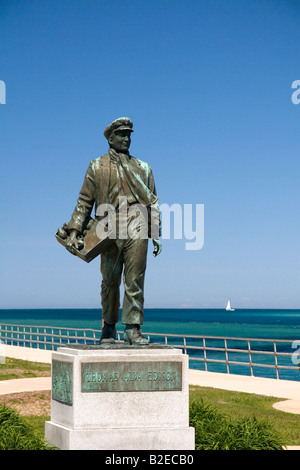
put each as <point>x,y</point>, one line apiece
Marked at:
<point>254,323</point>
<point>261,324</point>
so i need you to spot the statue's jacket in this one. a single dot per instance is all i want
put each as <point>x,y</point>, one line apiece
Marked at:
<point>136,175</point>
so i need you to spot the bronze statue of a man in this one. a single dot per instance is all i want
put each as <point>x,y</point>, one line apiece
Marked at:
<point>112,179</point>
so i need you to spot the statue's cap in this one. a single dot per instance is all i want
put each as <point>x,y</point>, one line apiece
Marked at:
<point>123,123</point>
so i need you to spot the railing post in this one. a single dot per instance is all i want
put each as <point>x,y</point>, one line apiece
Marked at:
<point>226,356</point>
<point>204,354</point>
<point>184,345</point>
<point>250,358</point>
<point>276,360</point>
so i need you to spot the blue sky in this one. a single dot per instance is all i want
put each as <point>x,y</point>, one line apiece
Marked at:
<point>208,86</point>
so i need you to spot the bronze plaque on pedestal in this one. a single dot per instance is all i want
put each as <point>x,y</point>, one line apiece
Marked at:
<point>62,382</point>
<point>149,376</point>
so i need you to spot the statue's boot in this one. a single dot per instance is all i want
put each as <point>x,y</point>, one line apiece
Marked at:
<point>109,333</point>
<point>133,335</point>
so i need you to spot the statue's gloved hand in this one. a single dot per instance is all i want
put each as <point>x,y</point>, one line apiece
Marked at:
<point>157,247</point>
<point>73,242</point>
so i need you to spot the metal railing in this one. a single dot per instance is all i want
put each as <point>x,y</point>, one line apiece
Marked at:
<point>220,354</point>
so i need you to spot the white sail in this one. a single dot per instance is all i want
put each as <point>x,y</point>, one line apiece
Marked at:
<point>228,306</point>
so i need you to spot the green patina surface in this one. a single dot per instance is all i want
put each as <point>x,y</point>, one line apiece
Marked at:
<point>131,376</point>
<point>62,382</point>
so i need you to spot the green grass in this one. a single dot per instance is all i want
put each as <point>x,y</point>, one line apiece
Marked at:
<point>17,368</point>
<point>38,424</point>
<point>215,431</point>
<point>239,406</point>
<point>16,433</point>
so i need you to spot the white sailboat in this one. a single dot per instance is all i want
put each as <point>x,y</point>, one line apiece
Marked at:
<point>228,307</point>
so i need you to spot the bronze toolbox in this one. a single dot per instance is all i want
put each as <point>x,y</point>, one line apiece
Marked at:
<point>91,244</point>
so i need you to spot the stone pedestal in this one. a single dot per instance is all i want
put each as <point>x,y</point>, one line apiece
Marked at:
<point>120,397</point>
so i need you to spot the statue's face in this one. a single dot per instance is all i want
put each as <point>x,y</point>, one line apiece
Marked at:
<point>120,140</point>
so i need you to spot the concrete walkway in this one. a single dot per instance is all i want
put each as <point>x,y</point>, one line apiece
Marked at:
<point>25,385</point>
<point>289,406</point>
<point>26,354</point>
